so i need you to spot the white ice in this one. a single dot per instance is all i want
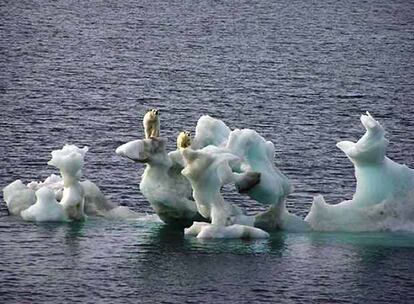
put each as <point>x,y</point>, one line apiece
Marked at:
<point>69,160</point>
<point>257,155</point>
<point>384,196</point>
<point>77,198</point>
<point>209,231</point>
<point>182,182</point>
<point>46,208</point>
<point>210,131</point>
<point>53,182</point>
<point>208,173</point>
<point>168,192</point>
<point>184,186</point>
<point>18,197</point>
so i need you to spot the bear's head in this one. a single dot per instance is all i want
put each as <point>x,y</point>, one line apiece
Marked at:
<point>154,113</point>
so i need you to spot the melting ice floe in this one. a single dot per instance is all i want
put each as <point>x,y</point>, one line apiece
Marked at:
<point>61,198</point>
<point>384,196</point>
<point>168,192</point>
<point>184,186</point>
<point>383,199</point>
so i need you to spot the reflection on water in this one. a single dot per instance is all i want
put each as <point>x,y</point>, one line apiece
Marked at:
<point>140,260</point>
<point>239,247</point>
<point>364,239</point>
<point>166,238</point>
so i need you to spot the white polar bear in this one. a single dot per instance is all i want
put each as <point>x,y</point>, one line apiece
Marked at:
<point>183,140</point>
<point>152,124</point>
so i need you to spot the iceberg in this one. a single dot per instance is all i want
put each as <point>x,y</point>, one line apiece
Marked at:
<point>69,160</point>
<point>168,192</point>
<point>75,198</point>
<point>185,185</point>
<point>258,155</point>
<point>208,173</point>
<point>384,195</point>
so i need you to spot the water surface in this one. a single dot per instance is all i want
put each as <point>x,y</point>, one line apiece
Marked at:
<point>298,72</point>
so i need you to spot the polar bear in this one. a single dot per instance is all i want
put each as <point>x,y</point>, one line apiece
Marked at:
<point>152,124</point>
<point>183,140</point>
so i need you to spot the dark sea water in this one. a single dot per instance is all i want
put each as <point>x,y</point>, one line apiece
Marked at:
<point>299,72</point>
